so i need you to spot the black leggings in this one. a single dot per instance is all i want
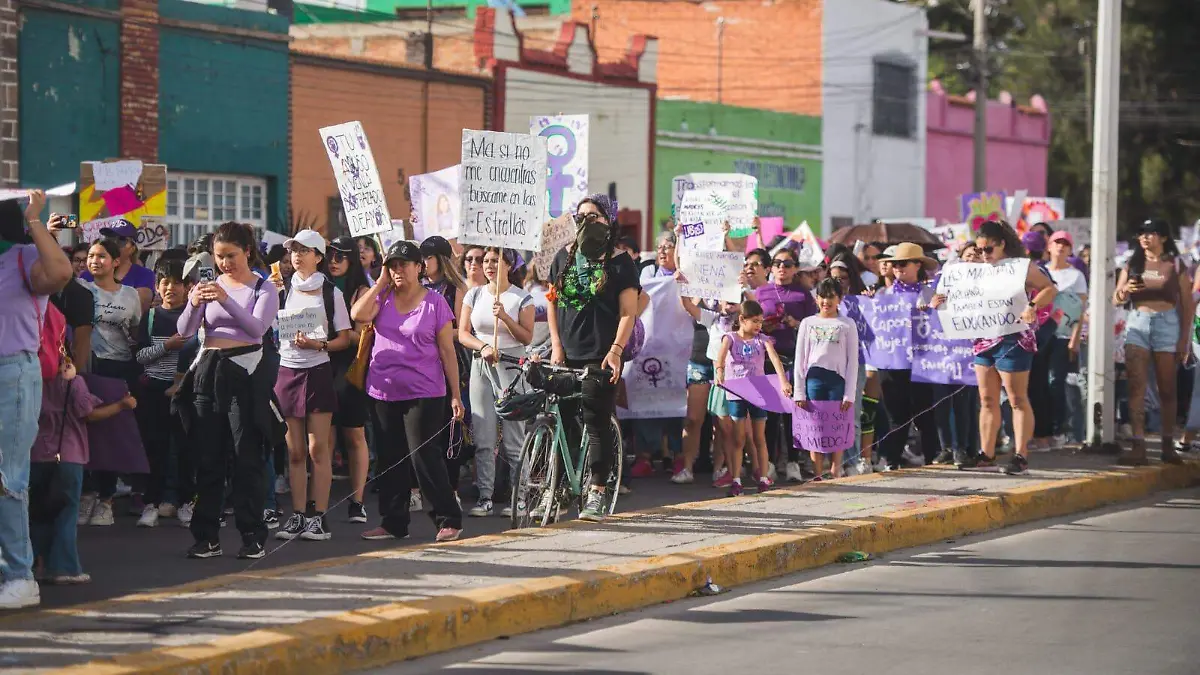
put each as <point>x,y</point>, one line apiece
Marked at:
<point>406,438</point>
<point>908,402</point>
<point>229,443</point>
<point>1040,400</point>
<point>597,406</point>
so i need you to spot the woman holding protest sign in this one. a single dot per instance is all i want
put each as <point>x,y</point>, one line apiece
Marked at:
<point>1005,361</point>
<point>1158,332</point>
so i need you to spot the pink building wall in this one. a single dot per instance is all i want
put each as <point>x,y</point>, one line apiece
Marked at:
<point>1018,147</point>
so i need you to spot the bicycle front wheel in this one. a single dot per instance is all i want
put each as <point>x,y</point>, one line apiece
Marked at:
<point>613,483</point>
<point>537,478</point>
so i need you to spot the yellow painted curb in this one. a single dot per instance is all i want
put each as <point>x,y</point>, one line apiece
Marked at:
<point>396,632</point>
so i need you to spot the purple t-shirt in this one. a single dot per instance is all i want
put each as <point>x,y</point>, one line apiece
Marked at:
<point>136,277</point>
<point>778,301</point>
<point>19,329</point>
<point>746,358</point>
<point>405,362</point>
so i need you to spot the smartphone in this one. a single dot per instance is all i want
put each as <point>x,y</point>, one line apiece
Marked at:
<point>72,221</point>
<point>207,275</point>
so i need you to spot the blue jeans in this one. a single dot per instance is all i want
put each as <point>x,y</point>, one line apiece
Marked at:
<point>20,404</point>
<point>1060,367</point>
<point>55,543</point>
<point>821,384</point>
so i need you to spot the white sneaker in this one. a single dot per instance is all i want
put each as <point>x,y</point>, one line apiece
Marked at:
<point>149,516</point>
<point>123,490</point>
<point>850,469</point>
<point>1060,441</point>
<point>684,477</point>
<point>414,502</point>
<point>864,467</point>
<point>87,506</point>
<point>793,472</point>
<point>771,472</point>
<point>166,510</point>
<point>881,466</point>
<point>912,459</point>
<point>103,514</point>
<point>185,514</point>
<point>19,593</point>
<point>1125,432</point>
<point>281,485</point>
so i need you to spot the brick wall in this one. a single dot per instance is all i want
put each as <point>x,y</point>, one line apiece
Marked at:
<point>9,146</point>
<point>772,50</point>
<point>139,79</point>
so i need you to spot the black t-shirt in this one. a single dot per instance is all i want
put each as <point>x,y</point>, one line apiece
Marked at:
<point>700,345</point>
<point>76,303</point>
<point>587,334</point>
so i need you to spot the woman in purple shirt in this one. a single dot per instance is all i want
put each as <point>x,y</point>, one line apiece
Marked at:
<point>412,366</point>
<point>226,398</point>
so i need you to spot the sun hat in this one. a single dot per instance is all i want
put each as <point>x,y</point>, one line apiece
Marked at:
<point>909,251</point>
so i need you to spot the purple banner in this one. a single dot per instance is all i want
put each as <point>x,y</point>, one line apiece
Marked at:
<point>889,316</point>
<point>115,443</point>
<point>761,391</point>
<point>824,427</point>
<point>936,358</point>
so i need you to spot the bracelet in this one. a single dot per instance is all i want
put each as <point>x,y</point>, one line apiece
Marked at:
<point>324,345</point>
<point>617,348</point>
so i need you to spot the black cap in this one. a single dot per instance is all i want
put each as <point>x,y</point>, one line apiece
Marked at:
<point>403,250</point>
<point>436,245</point>
<point>344,244</point>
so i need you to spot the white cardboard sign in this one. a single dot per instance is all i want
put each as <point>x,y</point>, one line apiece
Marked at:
<point>711,275</point>
<point>701,218</point>
<point>982,300</point>
<point>113,175</point>
<point>566,160</point>
<point>307,320</point>
<point>357,178</point>
<point>503,189</point>
<point>743,196</point>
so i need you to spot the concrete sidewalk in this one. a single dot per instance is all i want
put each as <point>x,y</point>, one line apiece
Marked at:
<point>379,607</point>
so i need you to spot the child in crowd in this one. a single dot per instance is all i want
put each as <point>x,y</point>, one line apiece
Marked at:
<point>827,361</point>
<point>62,447</point>
<point>158,352</point>
<point>746,351</point>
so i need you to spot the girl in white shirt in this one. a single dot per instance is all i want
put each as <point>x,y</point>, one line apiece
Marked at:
<point>827,361</point>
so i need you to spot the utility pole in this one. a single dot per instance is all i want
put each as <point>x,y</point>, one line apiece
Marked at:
<point>1104,227</point>
<point>981,95</point>
<point>425,86</point>
<point>1087,84</point>
<point>720,54</point>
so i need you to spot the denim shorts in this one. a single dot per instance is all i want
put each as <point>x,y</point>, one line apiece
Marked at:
<point>822,384</point>
<point>700,373</point>
<point>1153,331</point>
<point>739,410</point>
<point>1007,356</point>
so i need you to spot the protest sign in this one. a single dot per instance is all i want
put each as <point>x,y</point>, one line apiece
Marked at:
<point>937,358</point>
<point>851,308</point>
<point>436,204</point>
<point>566,160</point>
<point>556,235</point>
<point>889,316</point>
<point>701,217</point>
<point>953,236</point>
<point>307,320</point>
<point>153,235</point>
<point>711,275</point>
<point>1080,230</point>
<point>358,182</point>
<point>13,193</point>
<point>389,237</point>
<point>1033,210</point>
<point>503,189</point>
<point>808,248</point>
<point>1068,307</point>
<point>824,427</point>
<point>768,228</point>
<point>761,391</point>
<point>137,196</point>
<point>742,193</point>
<point>90,230</point>
<point>976,208</point>
<point>982,300</point>
<point>656,380</point>
<point>121,173</point>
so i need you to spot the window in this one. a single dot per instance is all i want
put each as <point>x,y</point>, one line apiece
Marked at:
<point>895,98</point>
<point>198,203</point>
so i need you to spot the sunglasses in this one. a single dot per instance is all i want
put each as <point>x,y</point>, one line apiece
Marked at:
<point>786,264</point>
<point>986,250</point>
<point>878,256</point>
<point>473,260</point>
<point>751,263</point>
<point>338,256</point>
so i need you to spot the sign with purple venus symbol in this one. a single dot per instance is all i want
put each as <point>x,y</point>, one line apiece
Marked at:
<point>363,200</point>
<point>652,368</point>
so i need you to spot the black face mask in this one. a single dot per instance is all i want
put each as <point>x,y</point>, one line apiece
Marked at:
<point>591,237</point>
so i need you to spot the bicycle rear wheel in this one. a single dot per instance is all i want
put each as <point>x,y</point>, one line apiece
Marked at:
<point>613,484</point>
<point>537,477</point>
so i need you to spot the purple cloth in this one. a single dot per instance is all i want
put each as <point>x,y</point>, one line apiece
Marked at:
<point>779,301</point>
<point>136,277</point>
<point>636,341</point>
<point>889,316</point>
<point>405,362</point>
<point>824,427</point>
<point>746,358</point>
<point>62,425</point>
<point>938,359</point>
<point>19,329</point>
<point>115,443</point>
<point>761,391</point>
<point>245,316</point>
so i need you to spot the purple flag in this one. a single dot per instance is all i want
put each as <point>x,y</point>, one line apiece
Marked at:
<point>889,316</point>
<point>938,359</point>
<point>761,391</point>
<point>824,427</point>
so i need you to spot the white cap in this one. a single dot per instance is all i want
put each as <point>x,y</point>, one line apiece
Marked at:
<point>191,268</point>
<point>310,238</point>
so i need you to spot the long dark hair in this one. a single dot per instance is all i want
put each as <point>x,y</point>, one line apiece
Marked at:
<point>610,245</point>
<point>994,230</point>
<point>854,268</point>
<point>355,277</point>
<point>1137,261</point>
<point>515,275</point>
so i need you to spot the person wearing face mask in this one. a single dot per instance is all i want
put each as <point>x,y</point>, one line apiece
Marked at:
<point>593,306</point>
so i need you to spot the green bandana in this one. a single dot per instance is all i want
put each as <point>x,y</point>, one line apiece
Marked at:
<point>340,282</point>
<point>581,282</point>
<point>5,245</point>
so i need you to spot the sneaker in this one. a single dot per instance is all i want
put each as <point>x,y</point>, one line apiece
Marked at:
<point>123,489</point>
<point>251,551</point>
<point>1059,442</point>
<point>482,509</point>
<point>281,485</point>
<point>507,511</point>
<point>292,528</point>
<point>136,504</point>
<point>414,501</point>
<point>87,506</point>
<point>944,457</point>
<point>185,514</point>
<point>103,515</point>
<point>315,529</point>
<point>149,516</point>
<point>1125,431</point>
<point>912,459</point>
<point>224,520</point>
<point>793,473</point>
<point>1016,466</point>
<point>881,466</point>
<point>624,490</point>
<point>965,460</point>
<point>166,510</point>
<point>722,478</point>
<point>546,503</point>
<point>770,474</point>
<point>641,469</point>
<point>594,506</point>
<point>735,489</point>
<point>204,549</point>
<point>20,593</point>
<point>380,534</point>
<point>864,467</point>
<point>764,484</point>
<point>271,518</point>
<point>448,534</point>
<point>683,477</point>
<point>71,579</point>
<point>358,512</point>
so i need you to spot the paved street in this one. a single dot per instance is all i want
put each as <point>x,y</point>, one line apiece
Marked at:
<point>1114,592</point>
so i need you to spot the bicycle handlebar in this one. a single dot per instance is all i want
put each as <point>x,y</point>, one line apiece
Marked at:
<point>526,361</point>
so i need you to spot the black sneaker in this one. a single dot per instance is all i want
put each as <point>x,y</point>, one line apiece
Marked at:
<point>252,551</point>
<point>358,512</point>
<point>946,457</point>
<point>271,518</point>
<point>204,549</point>
<point>292,528</point>
<point>1016,466</point>
<point>224,520</point>
<point>315,530</point>
<point>966,460</point>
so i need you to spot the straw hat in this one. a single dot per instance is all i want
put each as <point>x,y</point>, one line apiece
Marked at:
<point>908,251</point>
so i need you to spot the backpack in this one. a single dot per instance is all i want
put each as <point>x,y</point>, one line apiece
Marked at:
<point>326,299</point>
<point>52,327</point>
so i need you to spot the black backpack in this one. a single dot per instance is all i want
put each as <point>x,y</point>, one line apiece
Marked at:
<point>326,298</point>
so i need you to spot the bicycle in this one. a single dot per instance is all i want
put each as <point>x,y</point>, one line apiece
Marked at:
<point>546,457</point>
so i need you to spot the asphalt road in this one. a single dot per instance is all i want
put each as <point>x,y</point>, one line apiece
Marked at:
<point>124,559</point>
<point>1112,592</point>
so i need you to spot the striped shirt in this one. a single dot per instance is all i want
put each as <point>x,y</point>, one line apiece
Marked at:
<point>157,327</point>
